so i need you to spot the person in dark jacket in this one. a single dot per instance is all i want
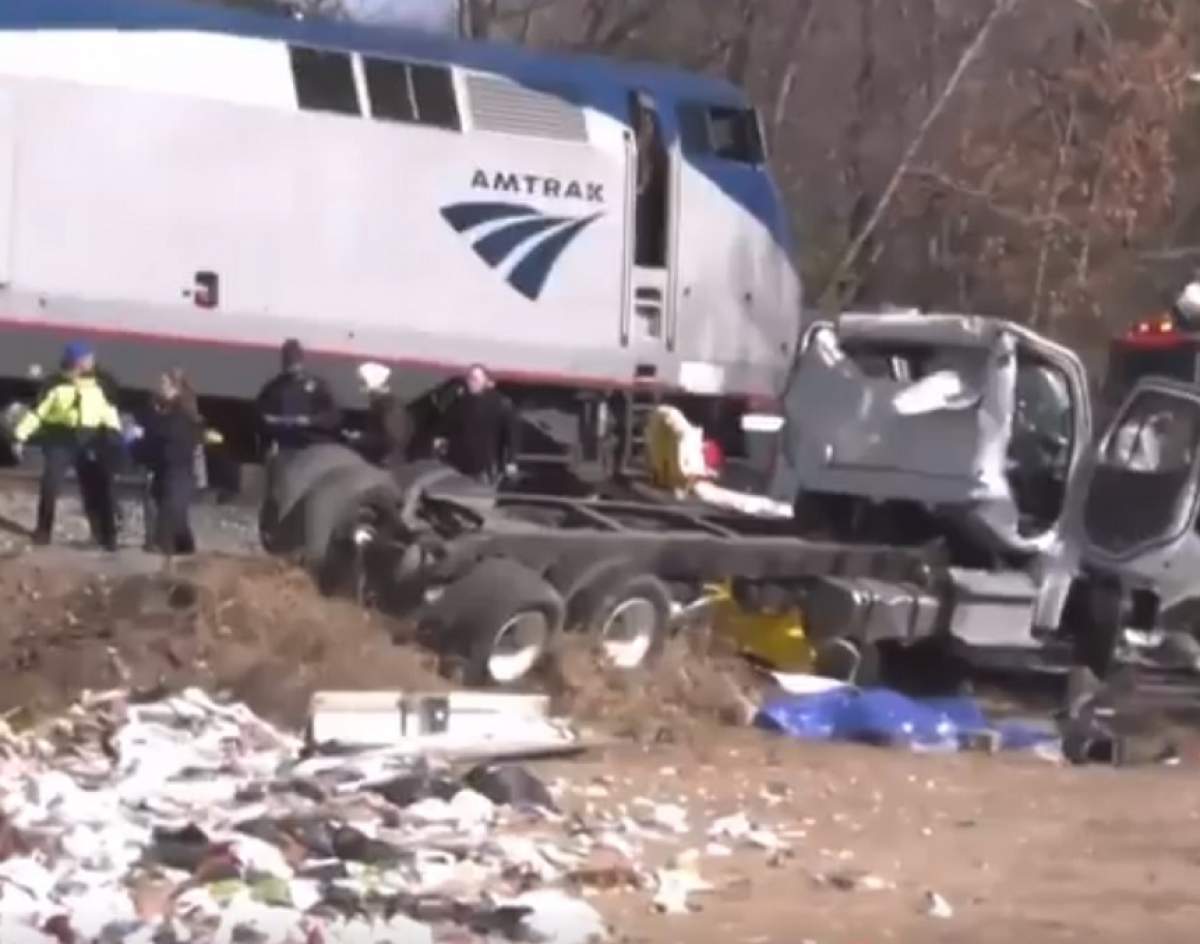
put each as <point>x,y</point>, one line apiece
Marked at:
<point>389,428</point>
<point>296,408</point>
<point>174,431</point>
<point>479,429</point>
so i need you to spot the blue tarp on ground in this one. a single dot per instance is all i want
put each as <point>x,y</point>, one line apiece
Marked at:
<point>884,717</point>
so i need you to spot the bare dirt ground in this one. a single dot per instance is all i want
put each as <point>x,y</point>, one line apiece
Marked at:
<point>1018,847</point>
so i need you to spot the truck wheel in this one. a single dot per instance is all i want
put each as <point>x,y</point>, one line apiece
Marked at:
<point>848,661</point>
<point>574,574</point>
<point>503,618</point>
<point>289,481</point>
<point>336,505</point>
<point>628,616</point>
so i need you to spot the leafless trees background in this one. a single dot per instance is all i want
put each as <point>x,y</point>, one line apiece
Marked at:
<point>1038,159</point>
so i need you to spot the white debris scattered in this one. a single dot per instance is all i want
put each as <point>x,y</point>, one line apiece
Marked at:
<point>739,828</point>
<point>733,827</point>
<point>669,817</point>
<point>555,918</point>
<point>190,820</point>
<point>935,906</point>
<point>855,880</point>
<point>677,883</point>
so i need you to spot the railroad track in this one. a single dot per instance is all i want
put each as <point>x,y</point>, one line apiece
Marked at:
<point>128,485</point>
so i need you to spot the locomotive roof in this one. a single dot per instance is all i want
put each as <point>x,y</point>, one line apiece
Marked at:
<point>578,73</point>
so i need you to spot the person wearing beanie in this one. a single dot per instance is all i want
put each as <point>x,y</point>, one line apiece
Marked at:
<point>296,408</point>
<point>389,427</point>
<point>75,422</point>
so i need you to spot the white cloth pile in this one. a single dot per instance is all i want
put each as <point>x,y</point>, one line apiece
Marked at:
<point>191,821</point>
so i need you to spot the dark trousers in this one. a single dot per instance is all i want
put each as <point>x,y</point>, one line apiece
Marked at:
<point>60,453</point>
<point>168,512</point>
<point>224,474</point>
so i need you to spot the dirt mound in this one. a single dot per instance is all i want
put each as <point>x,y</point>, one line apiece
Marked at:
<point>697,683</point>
<point>258,630</point>
<point>253,628</point>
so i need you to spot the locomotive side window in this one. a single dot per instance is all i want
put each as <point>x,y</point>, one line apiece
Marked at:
<point>390,90</point>
<point>434,93</point>
<point>402,91</point>
<point>731,134</point>
<point>324,81</point>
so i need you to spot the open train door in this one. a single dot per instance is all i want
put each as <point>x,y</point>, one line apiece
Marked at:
<point>8,174</point>
<point>649,214</point>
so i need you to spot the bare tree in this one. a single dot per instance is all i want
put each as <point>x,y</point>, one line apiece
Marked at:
<point>832,292</point>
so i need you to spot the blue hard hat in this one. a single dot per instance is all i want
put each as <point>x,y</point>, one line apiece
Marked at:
<point>76,351</point>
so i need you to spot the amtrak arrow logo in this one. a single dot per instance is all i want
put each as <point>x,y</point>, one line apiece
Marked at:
<point>523,237</point>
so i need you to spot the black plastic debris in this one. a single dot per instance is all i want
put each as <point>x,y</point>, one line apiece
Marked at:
<point>353,846</point>
<point>314,835</point>
<point>308,789</point>
<point>332,871</point>
<point>408,789</point>
<point>502,922</point>
<point>247,935</point>
<point>182,849</point>
<point>510,785</point>
<point>338,901</point>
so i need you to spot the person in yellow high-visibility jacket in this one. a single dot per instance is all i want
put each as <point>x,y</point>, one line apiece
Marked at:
<point>75,423</point>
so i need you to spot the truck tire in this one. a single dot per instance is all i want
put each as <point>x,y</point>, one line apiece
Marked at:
<point>574,574</point>
<point>421,474</point>
<point>627,616</point>
<point>502,618</point>
<point>289,481</point>
<point>335,505</point>
<point>300,473</point>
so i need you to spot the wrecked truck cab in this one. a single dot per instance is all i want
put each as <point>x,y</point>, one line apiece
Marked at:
<point>922,427</point>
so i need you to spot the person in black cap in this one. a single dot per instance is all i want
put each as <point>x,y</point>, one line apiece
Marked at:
<point>296,408</point>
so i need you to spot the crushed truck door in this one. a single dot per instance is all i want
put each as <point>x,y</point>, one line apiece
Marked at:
<point>1139,497</point>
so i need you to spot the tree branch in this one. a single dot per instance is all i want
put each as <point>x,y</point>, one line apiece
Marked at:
<point>1175,254</point>
<point>965,61</point>
<point>1011,214</point>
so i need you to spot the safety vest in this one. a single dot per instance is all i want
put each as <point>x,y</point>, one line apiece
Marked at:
<point>72,404</point>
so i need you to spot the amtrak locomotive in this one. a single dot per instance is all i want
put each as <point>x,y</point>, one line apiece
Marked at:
<point>190,184</point>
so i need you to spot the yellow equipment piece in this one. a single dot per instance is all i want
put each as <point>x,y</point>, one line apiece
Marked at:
<point>674,450</point>
<point>777,639</point>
